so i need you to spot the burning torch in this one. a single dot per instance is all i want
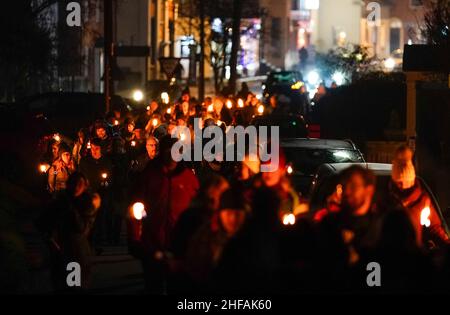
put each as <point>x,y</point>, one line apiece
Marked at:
<point>289,219</point>
<point>104,177</point>
<point>425,217</point>
<point>261,109</point>
<point>137,212</point>
<point>43,168</point>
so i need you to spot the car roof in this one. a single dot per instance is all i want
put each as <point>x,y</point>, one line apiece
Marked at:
<point>380,169</point>
<point>314,143</point>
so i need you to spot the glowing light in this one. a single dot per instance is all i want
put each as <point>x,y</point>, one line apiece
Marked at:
<point>339,190</point>
<point>57,137</point>
<point>342,154</point>
<point>297,85</point>
<point>116,122</point>
<point>169,110</point>
<point>260,109</point>
<point>138,95</point>
<point>425,217</point>
<point>259,96</point>
<point>88,145</point>
<point>133,143</point>
<point>229,104</point>
<point>313,77</point>
<point>182,136</point>
<point>289,169</point>
<point>240,103</point>
<point>219,123</point>
<point>148,107</point>
<point>104,175</point>
<point>289,219</point>
<point>139,212</point>
<point>312,4</point>
<point>165,97</point>
<point>43,168</point>
<point>389,64</point>
<point>155,122</point>
<point>338,77</point>
<point>210,108</point>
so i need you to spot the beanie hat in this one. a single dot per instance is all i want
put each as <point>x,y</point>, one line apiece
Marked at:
<point>403,168</point>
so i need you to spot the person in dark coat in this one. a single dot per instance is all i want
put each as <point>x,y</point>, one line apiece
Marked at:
<point>101,130</point>
<point>250,262</point>
<point>67,224</point>
<point>207,244</point>
<point>98,169</point>
<point>357,217</point>
<point>201,211</point>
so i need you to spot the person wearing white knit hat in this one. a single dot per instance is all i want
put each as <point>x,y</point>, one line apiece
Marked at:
<point>403,171</point>
<point>408,192</point>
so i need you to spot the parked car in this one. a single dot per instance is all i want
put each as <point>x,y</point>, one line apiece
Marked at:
<point>282,82</point>
<point>291,126</point>
<point>305,155</point>
<point>325,181</point>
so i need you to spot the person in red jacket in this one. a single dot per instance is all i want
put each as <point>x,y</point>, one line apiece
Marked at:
<point>166,188</point>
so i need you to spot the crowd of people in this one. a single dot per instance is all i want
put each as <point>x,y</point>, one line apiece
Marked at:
<point>226,227</point>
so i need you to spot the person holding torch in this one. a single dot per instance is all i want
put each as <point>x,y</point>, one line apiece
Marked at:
<point>407,191</point>
<point>98,170</point>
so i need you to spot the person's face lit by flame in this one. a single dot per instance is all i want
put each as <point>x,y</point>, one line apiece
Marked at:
<point>232,220</point>
<point>66,157</point>
<point>55,151</point>
<point>151,147</point>
<point>101,133</point>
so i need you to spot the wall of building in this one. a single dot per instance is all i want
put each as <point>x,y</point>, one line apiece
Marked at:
<point>132,29</point>
<point>276,31</point>
<point>334,18</point>
<point>399,15</point>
